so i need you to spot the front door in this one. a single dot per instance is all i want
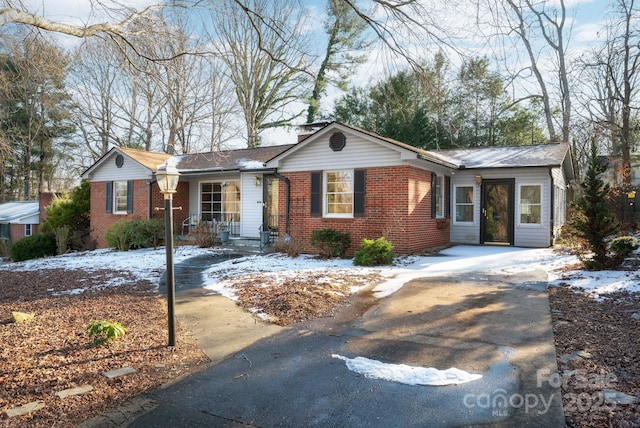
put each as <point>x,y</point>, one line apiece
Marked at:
<point>496,225</point>
<point>270,204</point>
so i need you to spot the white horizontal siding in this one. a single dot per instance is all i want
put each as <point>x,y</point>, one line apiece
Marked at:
<point>251,206</point>
<point>357,153</point>
<point>130,170</point>
<point>525,235</point>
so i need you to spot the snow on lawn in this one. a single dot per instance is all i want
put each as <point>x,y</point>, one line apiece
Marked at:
<point>146,264</point>
<point>149,264</point>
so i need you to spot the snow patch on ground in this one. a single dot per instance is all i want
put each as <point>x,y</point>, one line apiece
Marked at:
<point>410,375</point>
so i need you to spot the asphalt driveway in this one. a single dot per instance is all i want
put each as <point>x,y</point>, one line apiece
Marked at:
<point>267,376</point>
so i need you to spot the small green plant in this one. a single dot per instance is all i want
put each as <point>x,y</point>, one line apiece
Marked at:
<point>330,242</point>
<point>104,332</point>
<point>374,253</point>
<point>33,247</point>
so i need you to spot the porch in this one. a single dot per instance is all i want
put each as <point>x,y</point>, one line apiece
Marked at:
<point>228,233</point>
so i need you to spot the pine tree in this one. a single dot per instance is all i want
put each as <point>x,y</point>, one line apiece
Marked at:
<point>592,220</point>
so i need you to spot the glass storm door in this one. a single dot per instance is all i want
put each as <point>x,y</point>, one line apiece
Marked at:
<point>496,221</point>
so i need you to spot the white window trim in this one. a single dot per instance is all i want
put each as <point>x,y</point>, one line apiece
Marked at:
<point>455,205</point>
<point>519,214</point>
<point>28,229</point>
<point>115,197</point>
<point>440,178</point>
<point>325,202</point>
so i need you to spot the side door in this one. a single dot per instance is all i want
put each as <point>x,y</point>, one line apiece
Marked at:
<point>497,216</point>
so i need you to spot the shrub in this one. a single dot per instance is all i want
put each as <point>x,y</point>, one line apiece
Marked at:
<point>374,253</point>
<point>33,247</point>
<point>289,245</point>
<point>331,242</point>
<point>72,211</point>
<point>145,233</point>
<point>61,234</point>
<point>137,233</point>
<point>117,236</point>
<point>204,234</point>
<point>105,331</point>
<point>5,247</point>
<point>621,247</point>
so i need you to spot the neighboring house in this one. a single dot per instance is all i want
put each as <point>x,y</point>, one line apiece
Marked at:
<point>345,178</point>
<point>23,218</point>
<point>19,219</point>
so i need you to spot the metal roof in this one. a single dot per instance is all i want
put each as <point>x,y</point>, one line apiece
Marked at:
<point>14,211</point>
<point>543,155</point>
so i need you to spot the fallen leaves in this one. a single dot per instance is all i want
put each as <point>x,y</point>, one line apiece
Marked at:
<point>284,300</point>
<point>53,352</point>
<point>609,337</point>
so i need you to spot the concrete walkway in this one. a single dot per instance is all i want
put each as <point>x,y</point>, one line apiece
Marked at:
<point>267,376</point>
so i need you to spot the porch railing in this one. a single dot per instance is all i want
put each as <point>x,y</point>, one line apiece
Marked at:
<point>190,223</point>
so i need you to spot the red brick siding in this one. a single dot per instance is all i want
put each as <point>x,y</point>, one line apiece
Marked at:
<point>101,221</point>
<point>16,231</point>
<point>398,207</point>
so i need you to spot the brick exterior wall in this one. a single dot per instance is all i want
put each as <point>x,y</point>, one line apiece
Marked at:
<point>145,199</point>
<point>16,231</point>
<point>398,207</point>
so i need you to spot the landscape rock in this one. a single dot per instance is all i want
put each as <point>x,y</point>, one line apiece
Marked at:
<point>21,317</point>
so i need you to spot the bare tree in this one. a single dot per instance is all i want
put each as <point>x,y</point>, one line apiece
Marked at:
<point>534,23</point>
<point>615,81</point>
<point>265,61</point>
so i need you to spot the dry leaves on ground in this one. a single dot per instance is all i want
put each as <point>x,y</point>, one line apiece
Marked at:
<point>53,352</point>
<point>609,337</point>
<point>285,300</point>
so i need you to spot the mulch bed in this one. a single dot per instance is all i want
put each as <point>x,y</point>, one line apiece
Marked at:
<point>609,337</point>
<point>53,352</point>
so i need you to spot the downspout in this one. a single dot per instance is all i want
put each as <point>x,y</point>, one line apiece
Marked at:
<point>287,199</point>
<point>150,197</point>
<point>552,208</point>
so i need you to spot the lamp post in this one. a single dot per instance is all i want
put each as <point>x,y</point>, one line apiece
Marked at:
<point>168,176</point>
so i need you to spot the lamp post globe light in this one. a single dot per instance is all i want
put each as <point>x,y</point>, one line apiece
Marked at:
<point>167,176</point>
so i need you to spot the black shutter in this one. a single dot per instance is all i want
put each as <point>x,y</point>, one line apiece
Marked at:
<point>447,197</point>
<point>109,196</point>
<point>316,194</point>
<point>359,192</point>
<point>434,196</point>
<point>129,197</point>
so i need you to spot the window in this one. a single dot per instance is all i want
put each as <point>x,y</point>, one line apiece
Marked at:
<point>439,196</point>
<point>464,204</point>
<point>28,231</point>
<point>220,201</point>
<point>339,193</point>
<point>530,204</point>
<point>120,197</point>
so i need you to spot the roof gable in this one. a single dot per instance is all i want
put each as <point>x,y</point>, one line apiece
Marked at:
<point>405,151</point>
<point>146,160</point>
